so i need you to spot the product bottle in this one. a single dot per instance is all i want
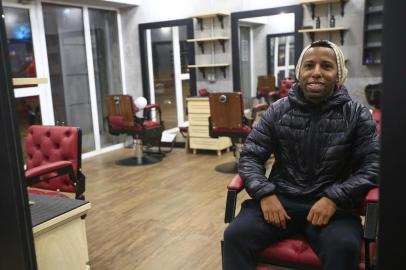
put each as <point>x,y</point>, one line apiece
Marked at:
<point>332,21</point>
<point>318,22</point>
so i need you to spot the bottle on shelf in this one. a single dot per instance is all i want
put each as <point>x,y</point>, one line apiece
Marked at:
<point>332,21</point>
<point>318,22</point>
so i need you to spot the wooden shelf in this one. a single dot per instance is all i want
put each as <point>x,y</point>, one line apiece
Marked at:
<point>312,31</point>
<point>200,41</point>
<point>313,3</point>
<point>29,81</point>
<point>202,68</point>
<point>207,39</point>
<point>328,29</point>
<point>210,15</point>
<point>373,31</point>
<point>218,15</point>
<point>208,65</point>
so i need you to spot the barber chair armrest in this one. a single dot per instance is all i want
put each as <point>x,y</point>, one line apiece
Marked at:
<point>236,184</point>
<point>58,168</point>
<point>371,225</point>
<point>148,112</point>
<point>372,196</point>
<point>234,187</point>
<point>371,214</point>
<point>153,106</point>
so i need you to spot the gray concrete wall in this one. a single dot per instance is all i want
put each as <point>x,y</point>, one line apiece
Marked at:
<point>161,10</point>
<point>359,75</point>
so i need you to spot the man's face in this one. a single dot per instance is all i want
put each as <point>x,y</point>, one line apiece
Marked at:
<point>318,74</point>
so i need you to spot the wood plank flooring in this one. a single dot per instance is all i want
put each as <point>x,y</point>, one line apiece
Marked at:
<point>167,215</point>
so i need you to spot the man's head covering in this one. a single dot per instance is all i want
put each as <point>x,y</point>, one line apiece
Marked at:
<point>342,70</point>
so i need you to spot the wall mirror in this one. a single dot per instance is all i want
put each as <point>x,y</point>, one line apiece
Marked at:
<point>264,42</point>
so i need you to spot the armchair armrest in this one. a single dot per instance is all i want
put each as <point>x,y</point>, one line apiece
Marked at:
<point>234,187</point>
<point>236,184</point>
<point>49,170</point>
<point>372,196</point>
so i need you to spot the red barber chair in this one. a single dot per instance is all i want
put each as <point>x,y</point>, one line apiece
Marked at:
<point>54,160</point>
<point>125,118</point>
<point>373,96</point>
<point>227,120</point>
<point>295,252</point>
<point>266,88</point>
<point>284,87</point>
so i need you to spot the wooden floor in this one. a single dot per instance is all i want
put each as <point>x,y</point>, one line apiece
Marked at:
<point>163,216</point>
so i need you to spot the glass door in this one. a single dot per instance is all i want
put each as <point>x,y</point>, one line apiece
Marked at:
<point>246,71</point>
<point>26,62</point>
<point>85,67</point>
<point>69,78</point>
<point>106,66</point>
<point>168,74</point>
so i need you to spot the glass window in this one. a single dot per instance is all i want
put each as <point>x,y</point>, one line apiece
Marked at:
<point>19,39</point>
<point>106,63</point>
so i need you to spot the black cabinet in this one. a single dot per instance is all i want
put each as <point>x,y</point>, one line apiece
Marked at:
<point>373,19</point>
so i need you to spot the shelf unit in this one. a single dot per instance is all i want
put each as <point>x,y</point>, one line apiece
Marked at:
<point>212,38</point>
<point>314,3</point>
<point>373,19</point>
<point>313,31</point>
<point>219,15</point>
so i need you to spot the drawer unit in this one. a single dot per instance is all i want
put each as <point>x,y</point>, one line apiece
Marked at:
<point>199,131</point>
<point>199,112</point>
<point>196,119</point>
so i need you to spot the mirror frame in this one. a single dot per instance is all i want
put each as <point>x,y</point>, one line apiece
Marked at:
<point>235,16</point>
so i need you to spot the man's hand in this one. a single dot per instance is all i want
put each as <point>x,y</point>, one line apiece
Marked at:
<point>321,212</point>
<point>273,211</point>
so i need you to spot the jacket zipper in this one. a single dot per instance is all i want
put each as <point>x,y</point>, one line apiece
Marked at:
<point>311,145</point>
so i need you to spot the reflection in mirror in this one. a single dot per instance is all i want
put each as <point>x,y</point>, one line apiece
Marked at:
<point>281,56</point>
<point>265,43</point>
<point>254,58</point>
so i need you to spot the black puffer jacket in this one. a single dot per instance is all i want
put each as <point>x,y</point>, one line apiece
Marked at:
<point>330,149</point>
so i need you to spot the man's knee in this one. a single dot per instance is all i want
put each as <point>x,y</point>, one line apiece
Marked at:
<point>344,245</point>
<point>233,233</point>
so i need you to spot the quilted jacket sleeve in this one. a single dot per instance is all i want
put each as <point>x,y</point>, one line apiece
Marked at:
<point>256,151</point>
<point>350,192</point>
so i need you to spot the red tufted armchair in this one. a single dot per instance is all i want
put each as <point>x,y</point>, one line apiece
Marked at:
<point>295,252</point>
<point>54,160</point>
<point>145,130</point>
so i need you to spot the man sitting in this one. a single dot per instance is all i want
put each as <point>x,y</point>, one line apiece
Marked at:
<point>326,159</point>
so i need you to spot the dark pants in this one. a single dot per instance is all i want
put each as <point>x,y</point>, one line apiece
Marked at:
<point>337,244</point>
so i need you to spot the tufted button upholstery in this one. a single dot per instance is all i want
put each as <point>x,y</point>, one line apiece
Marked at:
<point>48,144</point>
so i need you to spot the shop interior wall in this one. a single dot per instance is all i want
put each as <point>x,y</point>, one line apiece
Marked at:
<point>359,75</point>
<point>161,10</point>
